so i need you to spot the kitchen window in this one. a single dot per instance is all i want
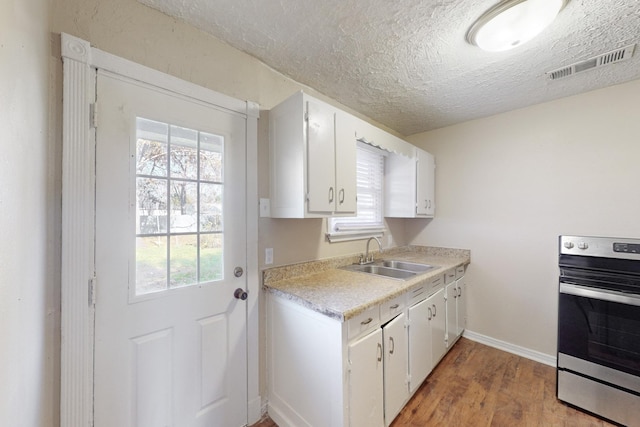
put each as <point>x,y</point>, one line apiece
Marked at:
<point>369,220</point>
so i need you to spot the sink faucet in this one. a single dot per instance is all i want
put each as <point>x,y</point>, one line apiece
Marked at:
<point>367,259</point>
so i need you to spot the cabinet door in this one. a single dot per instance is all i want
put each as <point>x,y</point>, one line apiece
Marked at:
<point>420,363</point>
<point>438,325</point>
<point>366,381</point>
<point>425,187</point>
<point>321,171</point>
<point>461,305</point>
<point>396,389</point>
<point>345,160</point>
<point>452,312</point>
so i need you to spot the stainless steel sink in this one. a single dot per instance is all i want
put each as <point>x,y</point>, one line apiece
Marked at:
<point>405,265</point>
<point>394,269</point>
<point>379,270</point>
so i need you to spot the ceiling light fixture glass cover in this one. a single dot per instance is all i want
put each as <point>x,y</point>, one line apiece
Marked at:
<point>512,23</point>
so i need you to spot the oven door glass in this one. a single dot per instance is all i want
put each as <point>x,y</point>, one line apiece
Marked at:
<point>603,332</point>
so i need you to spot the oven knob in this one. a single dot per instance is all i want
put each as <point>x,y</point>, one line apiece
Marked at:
<point>582,245</point>
<point>568,245</point>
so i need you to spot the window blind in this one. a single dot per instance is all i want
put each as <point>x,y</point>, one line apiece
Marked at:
<point>370,186</point>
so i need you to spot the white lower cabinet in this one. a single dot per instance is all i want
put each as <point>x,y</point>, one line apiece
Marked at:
<point>360,373</point>
<point>456,307</point>
<point>420,361</point>
<point>396,387</point>
<point>461,306</point>
<point>366,392</point>
<point>452,312</point>
<point>438,326</point>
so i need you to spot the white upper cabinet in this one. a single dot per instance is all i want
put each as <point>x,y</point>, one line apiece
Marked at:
<point>312,156</point>
<point>410,185</point>
<point>345,155</point>
<point>425,184</point>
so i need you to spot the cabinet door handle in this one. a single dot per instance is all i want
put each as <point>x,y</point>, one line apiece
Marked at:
<point>459,291</point>
<point>341,196</point>
<point>379,351</point>
<point>330,194</point>
<point>366,322</point>
<point>430,314</point>
<point>394,306</point>
<point>434,310</point>
<point>392,344</point>
<point>426,204</point>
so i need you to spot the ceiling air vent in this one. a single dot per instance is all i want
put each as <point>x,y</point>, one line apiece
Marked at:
<point>608,58</point>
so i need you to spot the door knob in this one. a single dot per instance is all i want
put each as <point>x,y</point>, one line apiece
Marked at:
<point>240,294</point>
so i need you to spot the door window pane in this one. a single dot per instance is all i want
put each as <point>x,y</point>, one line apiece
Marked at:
<point>151,264</point>
<point>184,153</point>
<point>211,157</point>
<point>210,257</point>
<point>151,147</point>
<point>151,202</point>
<point>179,206</point>
<point>184,260</point>
<point>210,207</point>
<point>184,206</point>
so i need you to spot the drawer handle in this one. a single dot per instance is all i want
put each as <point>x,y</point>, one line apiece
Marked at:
<point>366,322</point>
<point>394,306</point>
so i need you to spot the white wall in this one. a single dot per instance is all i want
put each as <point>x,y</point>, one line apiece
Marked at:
<point>508,185</point>
<point>29,221</point>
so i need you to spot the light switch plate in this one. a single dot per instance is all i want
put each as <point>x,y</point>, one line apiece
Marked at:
<point>265,208</point>
<point>268,256</point>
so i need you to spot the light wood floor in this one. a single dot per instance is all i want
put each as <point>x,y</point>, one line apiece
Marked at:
<point>477,386</point>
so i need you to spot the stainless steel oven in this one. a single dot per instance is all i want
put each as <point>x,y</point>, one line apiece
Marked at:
<point>599,326</point>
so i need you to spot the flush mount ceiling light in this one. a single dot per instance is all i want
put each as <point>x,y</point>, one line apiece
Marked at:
<point>511,23</point>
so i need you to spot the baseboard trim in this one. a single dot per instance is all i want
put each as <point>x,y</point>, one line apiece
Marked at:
<point>511,348</point>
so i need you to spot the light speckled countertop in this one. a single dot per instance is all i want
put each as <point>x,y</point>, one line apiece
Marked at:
<point>343,294</point>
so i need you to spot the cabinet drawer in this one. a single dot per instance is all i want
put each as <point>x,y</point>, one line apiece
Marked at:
<point>460,271</point>
<point>391,308</point>
<point>449,276</point>
<point>436,283</point>
<point>363,322</point>
<point>418,294</point>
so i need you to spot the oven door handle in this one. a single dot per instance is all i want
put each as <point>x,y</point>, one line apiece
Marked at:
<point>600,294</point>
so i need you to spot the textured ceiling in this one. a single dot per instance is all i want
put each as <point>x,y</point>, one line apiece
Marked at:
<point>406,63</point>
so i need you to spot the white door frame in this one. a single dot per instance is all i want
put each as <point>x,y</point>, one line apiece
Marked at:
<point>80,62</point>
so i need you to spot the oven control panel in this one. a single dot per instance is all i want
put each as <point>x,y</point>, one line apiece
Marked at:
<point>627,248</point>
<point>607,247</point>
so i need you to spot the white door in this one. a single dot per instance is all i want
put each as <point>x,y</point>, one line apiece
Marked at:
<point>170,338</point>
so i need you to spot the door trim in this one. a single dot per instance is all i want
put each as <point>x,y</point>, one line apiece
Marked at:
<point>80,64</point>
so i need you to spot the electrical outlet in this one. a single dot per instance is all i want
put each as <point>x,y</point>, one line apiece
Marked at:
<point>268,256</point>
